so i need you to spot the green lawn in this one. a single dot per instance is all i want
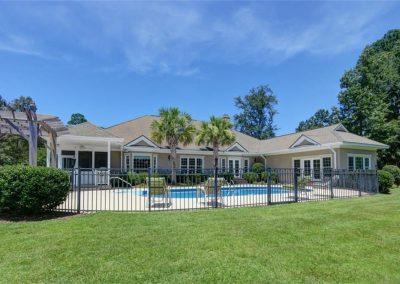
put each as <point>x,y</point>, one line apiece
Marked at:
<point>353,240</point>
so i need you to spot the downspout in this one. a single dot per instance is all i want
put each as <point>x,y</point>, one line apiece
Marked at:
<point>334,157</point>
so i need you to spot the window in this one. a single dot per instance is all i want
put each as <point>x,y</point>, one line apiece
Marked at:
<point>366,164</point>
<point>359,162</point>
<point>351,163</point>
<point>127,162</point>
<point>100,160</point>
<point>230,163</point>
<point>85,159</point>
<point>191,165</point>
<point>317,168</point>
<point>141,163</point>
<point>296,165</point>
<point>246,166</point>
<point>307,167</point>
<point>327,166</point>
<point>223,165</point>
<point>155,162</point>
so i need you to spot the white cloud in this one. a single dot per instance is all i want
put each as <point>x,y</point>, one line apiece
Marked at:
<point>165,38</point>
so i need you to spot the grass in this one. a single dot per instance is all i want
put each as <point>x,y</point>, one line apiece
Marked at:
<point>352,240</point>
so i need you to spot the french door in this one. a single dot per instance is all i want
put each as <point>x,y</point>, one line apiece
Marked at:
<point>234,166</point>
<point>312,168</point>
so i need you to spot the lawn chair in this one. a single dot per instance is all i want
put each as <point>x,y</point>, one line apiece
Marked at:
<point>159,192</point>
<point>211,195</point>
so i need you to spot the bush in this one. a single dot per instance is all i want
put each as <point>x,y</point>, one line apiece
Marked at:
<point>258,168</point>
<point>274,177</point>
<point>395,171</point>
<point>303,182</point>
<point>32,190</point>
<point>251,177</point>
<point>137,178</point>
<point>386,181</point>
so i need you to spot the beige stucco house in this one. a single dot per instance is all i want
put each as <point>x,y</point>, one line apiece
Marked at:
<point>128,145</point>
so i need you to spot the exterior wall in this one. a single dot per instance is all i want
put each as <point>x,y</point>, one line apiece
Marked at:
<point>116,159</point>
<point>342,153</point>
<point>286,161</point>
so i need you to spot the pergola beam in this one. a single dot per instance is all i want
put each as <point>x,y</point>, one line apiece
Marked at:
<point>30,126</point>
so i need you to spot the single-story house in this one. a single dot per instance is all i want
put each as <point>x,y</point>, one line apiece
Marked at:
<point>129,145</point>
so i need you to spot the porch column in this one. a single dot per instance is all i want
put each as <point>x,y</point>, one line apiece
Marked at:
<point>59,159</point>
<point>108,155</point>
<point>47,157</point>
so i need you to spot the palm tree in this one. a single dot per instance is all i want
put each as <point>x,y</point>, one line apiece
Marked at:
<point>174,127</point>
<point>217,132</point>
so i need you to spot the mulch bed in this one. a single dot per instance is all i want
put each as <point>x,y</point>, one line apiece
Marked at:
<point>8,218</point>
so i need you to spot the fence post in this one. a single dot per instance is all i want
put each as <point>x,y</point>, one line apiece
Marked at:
<point>269,173</point>
<point>78,199</point>
<point>376,181</point>
<point>358,183</point>
<point>149,188</point>
<point>331,183</point>
<point>216,186</point>
<point>296,196</point>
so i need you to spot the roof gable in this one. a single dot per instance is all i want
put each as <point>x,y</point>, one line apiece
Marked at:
<point>142,141</point>
<point>236,147</point>
<point>304,141</point>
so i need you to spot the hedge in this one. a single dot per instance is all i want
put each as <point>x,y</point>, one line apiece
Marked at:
<point>395,171</point>
<point>31,190</point>
<point>386,181</point>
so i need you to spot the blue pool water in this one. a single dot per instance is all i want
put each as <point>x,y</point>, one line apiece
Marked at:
<point>231,191</point>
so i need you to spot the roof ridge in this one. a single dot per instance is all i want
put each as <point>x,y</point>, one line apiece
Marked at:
<point>133,119</point>
<point>301,132</point>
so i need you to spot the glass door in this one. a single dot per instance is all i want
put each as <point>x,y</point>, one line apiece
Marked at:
<point>234,166</point>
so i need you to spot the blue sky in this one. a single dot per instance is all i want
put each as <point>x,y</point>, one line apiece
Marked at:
<point>114,61</point>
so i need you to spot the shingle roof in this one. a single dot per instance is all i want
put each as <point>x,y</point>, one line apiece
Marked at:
<point>132,129</point>
<point>322,135</point>
<point>90,130</point>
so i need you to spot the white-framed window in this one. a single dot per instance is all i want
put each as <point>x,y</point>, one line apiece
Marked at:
<point>358,162</point>
<point>127,161</point>
<point>155,164</point>
<point>246,163</point>
<point>314,166</point>
<point>222,164</point>
<point>141,162</point>
<point>192,165</point>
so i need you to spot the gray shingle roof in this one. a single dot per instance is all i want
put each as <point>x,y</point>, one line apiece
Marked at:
<point>88,129</point>
<point>132,129</point>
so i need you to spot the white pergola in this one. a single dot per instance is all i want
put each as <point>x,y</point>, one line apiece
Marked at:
<point>30,126</point>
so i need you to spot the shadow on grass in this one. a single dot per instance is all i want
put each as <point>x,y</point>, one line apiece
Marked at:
<point>12,217</point>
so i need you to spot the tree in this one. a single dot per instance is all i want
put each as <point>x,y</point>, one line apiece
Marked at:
<point>20,102</point>
<point>321,118</point>
<point>174,127</point>
<point>370,95</point>
<point>77,118</point>
<point>14,149</point>
<point>3,103</point>
<point>217,132</point>
<point>257,113</point>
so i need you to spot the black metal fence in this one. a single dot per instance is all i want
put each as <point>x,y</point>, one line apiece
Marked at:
<point>161,189</point>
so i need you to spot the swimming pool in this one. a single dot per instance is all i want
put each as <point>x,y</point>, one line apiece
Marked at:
<point>229,191</point>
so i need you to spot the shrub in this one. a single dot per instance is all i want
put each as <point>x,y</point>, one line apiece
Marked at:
<point>303,182</point>
<point>395,171</point>
<point>251,177</point>
<point>274,177</point>
<point>227,176</point>
<point>386,181</point>
<point>31,190</point>
<point>137,178</point>
<point>258,168</point>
